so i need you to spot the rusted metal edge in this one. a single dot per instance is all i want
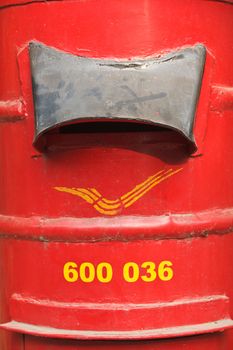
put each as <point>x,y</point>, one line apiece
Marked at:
<point>13,3</point>
<point>229,2</point>
<point>121,228</point>
<point>180,331</point>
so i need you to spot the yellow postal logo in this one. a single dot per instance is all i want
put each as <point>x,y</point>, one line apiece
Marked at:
<point>113,207</point>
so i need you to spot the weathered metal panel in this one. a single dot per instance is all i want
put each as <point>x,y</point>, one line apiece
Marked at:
<point>161,91</point>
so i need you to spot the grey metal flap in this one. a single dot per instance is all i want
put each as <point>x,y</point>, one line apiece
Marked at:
<point>162,91</point>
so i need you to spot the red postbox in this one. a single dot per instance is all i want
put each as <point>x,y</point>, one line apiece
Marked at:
<point>116,175</point>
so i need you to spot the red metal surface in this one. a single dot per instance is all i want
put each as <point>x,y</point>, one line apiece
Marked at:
<point>213,342</point>
<point>185,219</point>
<point>141,306</point>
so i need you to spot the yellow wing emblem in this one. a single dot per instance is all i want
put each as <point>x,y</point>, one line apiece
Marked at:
<point>114,207</point>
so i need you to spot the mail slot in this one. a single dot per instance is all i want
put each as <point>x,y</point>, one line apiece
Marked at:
<point>116,175</point>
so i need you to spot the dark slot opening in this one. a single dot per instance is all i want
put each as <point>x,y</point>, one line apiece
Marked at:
<point>109,127</point>
<point>121,134</point>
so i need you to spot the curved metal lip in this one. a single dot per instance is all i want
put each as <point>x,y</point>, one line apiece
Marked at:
<point>210,314</point>
<point>159,333</point>
<point>39,141</point>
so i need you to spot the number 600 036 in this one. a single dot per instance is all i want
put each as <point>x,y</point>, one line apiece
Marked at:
<point>132,272</point>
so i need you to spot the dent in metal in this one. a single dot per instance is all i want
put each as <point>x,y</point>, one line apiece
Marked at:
<point>162,91</point>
